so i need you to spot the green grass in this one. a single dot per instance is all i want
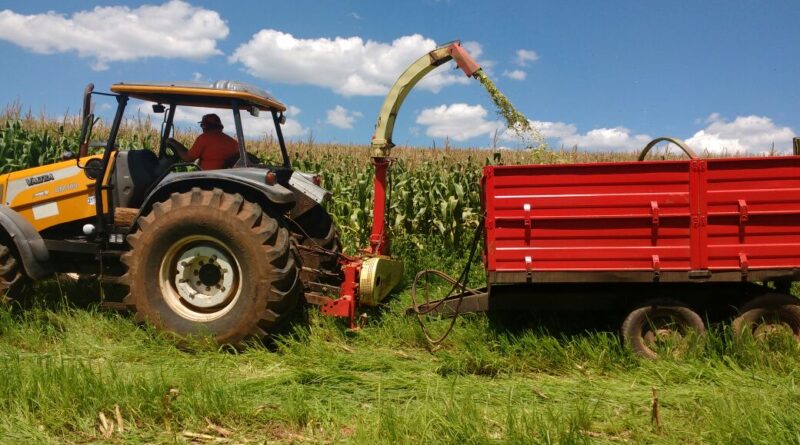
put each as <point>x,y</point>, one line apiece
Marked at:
<point>493,381</point>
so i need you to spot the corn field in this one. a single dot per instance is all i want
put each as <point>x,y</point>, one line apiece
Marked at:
<point>435,195</point>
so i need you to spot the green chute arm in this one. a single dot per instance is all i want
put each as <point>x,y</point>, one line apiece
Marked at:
<point>382,139</point>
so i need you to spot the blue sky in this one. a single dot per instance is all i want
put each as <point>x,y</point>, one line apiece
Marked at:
<point>724,75</point>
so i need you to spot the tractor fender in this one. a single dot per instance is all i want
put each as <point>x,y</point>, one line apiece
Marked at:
<point>249,182</point>
<point>29,244</point>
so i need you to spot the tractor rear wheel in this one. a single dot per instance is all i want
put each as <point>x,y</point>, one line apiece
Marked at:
<point>319,247</point>
<point>209,262</point>
<point>769,314</point>
<point>659,326</point>
<point>13,281</point>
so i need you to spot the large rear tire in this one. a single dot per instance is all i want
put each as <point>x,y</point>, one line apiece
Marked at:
<point>660,326</point>
<point>208,262</point>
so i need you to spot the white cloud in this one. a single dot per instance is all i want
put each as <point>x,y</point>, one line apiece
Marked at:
<point>355,15</point>
<point>524,56</point>
<point>196,76</point>
<point>458,121</point>
<point>515,74</point>
<point>347,65</point>
<point>752,134</point>
<point>598,139</point>
<point>107,34</point>
<point>341,117</point>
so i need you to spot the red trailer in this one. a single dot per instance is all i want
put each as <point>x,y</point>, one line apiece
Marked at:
<point>672,241</point>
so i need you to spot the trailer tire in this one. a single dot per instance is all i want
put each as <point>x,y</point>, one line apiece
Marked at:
<point>13,281</point>
<point>209,262</point>
<point>656,319</point>
<point>317,229</point>
<point>767,313</point>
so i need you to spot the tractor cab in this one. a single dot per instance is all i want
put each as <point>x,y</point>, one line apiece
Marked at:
<point>193,99</point>
<point>139,170</point>
<point>128,181</point>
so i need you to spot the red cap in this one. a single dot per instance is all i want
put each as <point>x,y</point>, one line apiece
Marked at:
<point>211,120</point>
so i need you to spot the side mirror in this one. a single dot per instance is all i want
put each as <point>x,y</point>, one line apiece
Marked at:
<point>282,119</point>
<point>158,108</point>
<point>254,111</point>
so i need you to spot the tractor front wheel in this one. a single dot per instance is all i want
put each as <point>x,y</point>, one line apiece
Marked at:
<point>13,281</point>
<point>208,262</point>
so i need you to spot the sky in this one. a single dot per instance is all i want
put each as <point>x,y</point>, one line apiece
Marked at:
<point>602,76</point>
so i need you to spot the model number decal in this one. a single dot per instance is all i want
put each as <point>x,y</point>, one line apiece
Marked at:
<point>36,180</point>
<point>66,187</point>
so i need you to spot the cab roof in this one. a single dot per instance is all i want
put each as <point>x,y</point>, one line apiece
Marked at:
<point>200,94</point>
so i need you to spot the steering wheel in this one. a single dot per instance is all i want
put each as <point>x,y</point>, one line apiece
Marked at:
<point>170,152</point>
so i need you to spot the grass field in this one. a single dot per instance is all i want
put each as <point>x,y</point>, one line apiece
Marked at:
<point>65,366</point>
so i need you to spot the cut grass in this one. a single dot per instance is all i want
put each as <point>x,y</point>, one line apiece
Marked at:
<point>490,383</point>
<point>495,380</point>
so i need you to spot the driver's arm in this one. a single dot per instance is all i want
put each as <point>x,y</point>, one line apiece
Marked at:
<point>181,150</point>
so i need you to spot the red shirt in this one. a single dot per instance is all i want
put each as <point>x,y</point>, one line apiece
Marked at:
<point>213,147</point>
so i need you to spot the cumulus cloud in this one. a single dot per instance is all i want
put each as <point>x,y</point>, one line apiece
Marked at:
<point>349,66</point>
<point>743,134</point>
<point>598,139</point>
<point>107,34</point>
<point>515,74</point>
<point>458,121</point>
<point>524,56</point>
<point>341,117</point>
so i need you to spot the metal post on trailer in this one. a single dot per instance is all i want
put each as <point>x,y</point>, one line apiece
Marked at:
<point>796,147</point>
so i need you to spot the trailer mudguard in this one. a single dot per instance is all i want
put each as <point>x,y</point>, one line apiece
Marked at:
<point>249,182</point>
<point>32,251</point>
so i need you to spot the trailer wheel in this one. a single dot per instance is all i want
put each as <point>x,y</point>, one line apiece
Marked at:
<point>13,281</point>
<point>209,262</point>
<point>659,326</point>
<point>768,314</point>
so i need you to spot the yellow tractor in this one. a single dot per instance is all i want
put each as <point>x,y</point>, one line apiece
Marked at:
<point>222,252</point>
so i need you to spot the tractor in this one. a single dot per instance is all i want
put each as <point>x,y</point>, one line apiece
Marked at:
<point>227,253</point>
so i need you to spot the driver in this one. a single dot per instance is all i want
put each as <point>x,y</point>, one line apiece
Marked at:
<point>212,147</point>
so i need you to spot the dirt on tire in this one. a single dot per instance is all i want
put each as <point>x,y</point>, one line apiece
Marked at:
<point>635,328</point>
<point>268,286</point>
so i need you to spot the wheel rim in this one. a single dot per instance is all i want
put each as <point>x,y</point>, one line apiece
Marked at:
<point>200,278</point>
<point>772,325</point>
<point>662,333</point>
